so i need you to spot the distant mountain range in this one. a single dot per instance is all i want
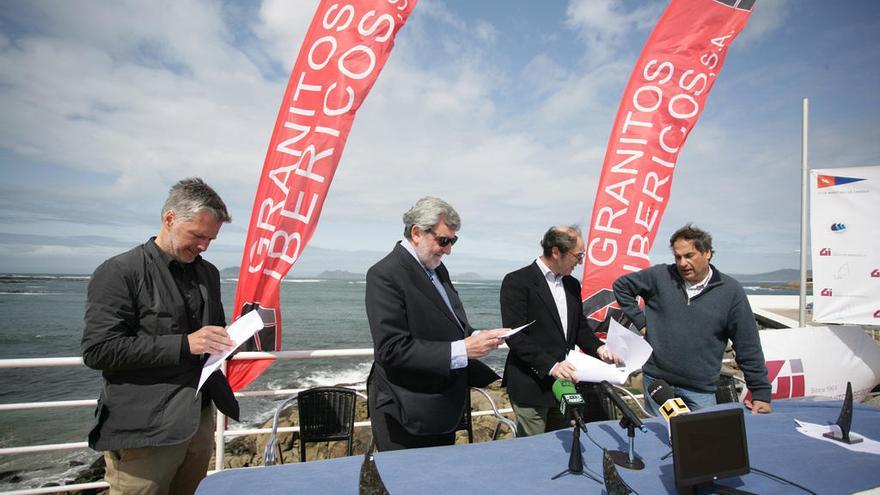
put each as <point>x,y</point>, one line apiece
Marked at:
<point>335,264</point>
<point>776,276</point>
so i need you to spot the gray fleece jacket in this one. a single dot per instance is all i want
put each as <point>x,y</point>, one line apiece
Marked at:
<point>689,336</point>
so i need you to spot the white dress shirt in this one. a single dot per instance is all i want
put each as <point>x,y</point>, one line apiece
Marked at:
<point>458,350</point>
<point>554,282</point>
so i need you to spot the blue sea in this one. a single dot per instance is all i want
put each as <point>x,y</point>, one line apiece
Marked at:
<point>41,316</point>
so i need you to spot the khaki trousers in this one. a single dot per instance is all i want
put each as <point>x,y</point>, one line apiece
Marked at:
<point>536,420</point>
<point>167,470</point>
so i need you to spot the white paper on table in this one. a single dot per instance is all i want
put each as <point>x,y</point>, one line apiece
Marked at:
<point>633,348</point>
<point>812,430</point>
<point>517,329</point>
<point>241,329</point>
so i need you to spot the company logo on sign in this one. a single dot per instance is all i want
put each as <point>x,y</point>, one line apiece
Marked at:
<point>267,338</point>
<point>875,273</point>
<point>838,227</point>
<point>877,314</point>
<point>823,181</point>
<point>786,378</point>
<point>825,252</point>
<point>825,292</point>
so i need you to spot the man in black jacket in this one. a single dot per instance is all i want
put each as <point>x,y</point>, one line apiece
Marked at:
<point>425,351</point>
<point>152,315</point>
<point>546,293</point>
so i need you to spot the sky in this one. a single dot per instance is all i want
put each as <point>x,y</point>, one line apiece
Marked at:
<point>502,108</point>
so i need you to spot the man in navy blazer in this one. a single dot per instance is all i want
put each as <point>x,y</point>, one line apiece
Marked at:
<point>425,352</point>
<point>546,293</point>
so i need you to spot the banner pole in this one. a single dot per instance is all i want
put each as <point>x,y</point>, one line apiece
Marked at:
<point>805,191</point>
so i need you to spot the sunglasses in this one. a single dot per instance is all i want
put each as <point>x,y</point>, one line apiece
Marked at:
<point>443,240</point>
<point>580,256</point>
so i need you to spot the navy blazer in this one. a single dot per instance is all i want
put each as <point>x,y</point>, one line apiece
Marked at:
<point>525,296</point>
<point>412,328</point>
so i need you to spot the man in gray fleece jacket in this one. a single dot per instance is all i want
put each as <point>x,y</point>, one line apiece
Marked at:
<point>691,311</point>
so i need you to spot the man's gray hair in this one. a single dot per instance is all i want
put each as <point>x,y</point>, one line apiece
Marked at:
<point>192,196</point>
<point>427,212</point>
<point>562,238</point>
<point>701,239</point>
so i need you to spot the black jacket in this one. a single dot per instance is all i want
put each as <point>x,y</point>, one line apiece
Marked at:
<point>412,329</point>
<point>525,296</point>
<point>135,333</point>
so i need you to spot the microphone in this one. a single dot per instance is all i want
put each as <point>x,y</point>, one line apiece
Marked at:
<point>628,415</point>
<point>670,406</point>
<point>570,401</point>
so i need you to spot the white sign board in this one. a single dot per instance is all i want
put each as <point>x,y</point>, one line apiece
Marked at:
<point>818,361</point>
<point>845,230</point>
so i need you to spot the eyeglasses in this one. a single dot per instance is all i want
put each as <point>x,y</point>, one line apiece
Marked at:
<point>443,240</point>
<point>580,256</point>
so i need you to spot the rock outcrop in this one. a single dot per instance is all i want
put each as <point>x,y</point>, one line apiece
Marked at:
<point>248,451</point>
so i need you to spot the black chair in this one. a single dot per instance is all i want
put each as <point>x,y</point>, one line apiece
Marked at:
<point>325,414</point>
<point>726,387</point>
<point>466,422</point>
<point>611,410</point>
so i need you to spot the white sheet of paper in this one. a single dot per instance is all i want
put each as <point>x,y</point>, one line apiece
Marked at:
<point>632,347</point>
<point>240,330</point>
<point>813,430</point>
<point>517,329</point>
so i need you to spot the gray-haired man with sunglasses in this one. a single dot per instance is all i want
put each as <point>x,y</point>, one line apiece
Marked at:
<point>425,351</point>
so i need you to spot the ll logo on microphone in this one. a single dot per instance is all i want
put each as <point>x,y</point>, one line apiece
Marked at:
<point>673,407</point>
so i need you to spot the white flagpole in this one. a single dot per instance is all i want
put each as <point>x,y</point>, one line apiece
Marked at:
<point>805,191</point>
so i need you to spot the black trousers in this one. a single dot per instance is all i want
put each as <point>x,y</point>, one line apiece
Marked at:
<point>389,434</point>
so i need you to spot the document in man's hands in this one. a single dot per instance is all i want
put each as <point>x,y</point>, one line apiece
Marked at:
<point>240,330</point>
<point>517,329</point>
<point>630,346</point>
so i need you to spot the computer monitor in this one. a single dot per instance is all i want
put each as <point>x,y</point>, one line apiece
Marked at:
<point>707,446</point>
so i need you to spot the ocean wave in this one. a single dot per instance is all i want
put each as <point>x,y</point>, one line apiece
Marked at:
<point>353,376</point>
<point>22,276</point>
<point>14,293</point>
<point>302,280</point>
<point>62,471</point>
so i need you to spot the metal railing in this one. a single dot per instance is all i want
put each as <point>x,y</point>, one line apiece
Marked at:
<point>221,433</point>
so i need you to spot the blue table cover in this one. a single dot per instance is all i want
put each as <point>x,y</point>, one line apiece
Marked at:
<point>526,465</point>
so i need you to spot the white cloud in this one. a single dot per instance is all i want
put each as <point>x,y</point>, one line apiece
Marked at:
<point>604,25</point>
<point>106,104</point>
<point>283,26</point>
<point>766,17</point>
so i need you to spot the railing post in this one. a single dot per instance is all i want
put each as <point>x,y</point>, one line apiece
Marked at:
<point>219,444</point>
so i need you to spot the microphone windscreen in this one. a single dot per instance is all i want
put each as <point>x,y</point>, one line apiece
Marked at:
<point>563,387</point>
<point>660,391</point>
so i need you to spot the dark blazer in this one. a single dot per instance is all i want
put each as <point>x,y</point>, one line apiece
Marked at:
<point>412,328</point>
<point>135,332</point>
<point>525,296</point>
